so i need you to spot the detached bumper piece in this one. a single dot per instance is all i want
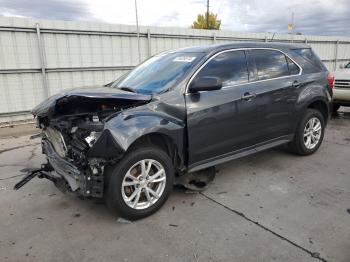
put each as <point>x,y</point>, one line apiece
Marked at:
<point>31,173</point>
<point>65,175</point>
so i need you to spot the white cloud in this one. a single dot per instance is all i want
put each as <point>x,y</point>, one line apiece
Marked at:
<point>150,12</point>
<point>311,17</point>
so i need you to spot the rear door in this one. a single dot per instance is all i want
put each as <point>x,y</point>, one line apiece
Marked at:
<point>276,92</point>
<point>222,121</point>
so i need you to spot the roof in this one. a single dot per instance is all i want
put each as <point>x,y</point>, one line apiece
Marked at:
<point>236,45</point>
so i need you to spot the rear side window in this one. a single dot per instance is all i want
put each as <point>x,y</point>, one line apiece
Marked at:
<point>230,67</point>
<point>270,64</point>
<point>293,68</point>
<point>310,58</point>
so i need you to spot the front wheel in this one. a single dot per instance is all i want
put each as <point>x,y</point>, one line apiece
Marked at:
<point>309,133</point>
<point>140,183</point>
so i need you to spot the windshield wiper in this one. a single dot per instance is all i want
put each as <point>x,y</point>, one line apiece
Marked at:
<point>109,84</point>
<point>128,89</point>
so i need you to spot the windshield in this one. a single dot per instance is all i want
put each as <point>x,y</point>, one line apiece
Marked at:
<point>347,66</point>
<point>158,73</point>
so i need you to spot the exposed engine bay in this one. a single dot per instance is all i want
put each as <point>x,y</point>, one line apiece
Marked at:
<point>70,126</point>
<point>88,130</point>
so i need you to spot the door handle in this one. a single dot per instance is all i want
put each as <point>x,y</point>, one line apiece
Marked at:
<point>248,96</point>
<point>296,84</point>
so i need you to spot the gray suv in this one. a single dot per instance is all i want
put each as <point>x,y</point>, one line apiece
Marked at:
<point>179,112</point>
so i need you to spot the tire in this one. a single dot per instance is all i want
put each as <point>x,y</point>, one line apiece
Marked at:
<point>300,144</point>
<point>335,108</point>
<point>118,190</point>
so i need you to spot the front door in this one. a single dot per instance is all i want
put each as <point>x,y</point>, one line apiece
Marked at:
<point>223,121</point>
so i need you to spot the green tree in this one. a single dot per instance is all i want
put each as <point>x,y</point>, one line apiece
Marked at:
<point>201,22</point>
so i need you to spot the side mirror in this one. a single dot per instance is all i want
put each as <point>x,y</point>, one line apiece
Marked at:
<point>206,83</point>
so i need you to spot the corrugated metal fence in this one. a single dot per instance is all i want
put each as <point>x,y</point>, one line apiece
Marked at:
<point>39,58</point>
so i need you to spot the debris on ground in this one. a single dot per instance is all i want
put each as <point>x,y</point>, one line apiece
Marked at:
<point>191,192</point>
<point>196,181</point>
<point>123,221</point>
<point>315,255</point>
<point>173,225</point>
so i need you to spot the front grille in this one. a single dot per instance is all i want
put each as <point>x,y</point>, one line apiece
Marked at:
<point>338,83</point>
<point>56,139</point>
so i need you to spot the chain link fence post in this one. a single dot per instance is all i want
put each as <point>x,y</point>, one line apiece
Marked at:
<point>336,55</point>
<point>42,61</point>
<point>149,42</point>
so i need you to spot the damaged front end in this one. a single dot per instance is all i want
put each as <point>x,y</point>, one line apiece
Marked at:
<point>72,123</point>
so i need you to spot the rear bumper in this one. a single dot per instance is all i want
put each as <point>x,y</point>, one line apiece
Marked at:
<point>82,182</point>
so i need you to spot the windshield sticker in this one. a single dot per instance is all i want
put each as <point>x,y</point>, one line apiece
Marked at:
<point>184,59</point>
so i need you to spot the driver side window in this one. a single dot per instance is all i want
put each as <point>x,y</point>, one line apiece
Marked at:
<point>230,67</point>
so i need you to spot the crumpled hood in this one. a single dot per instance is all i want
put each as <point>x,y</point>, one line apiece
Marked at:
<point>48,106</point>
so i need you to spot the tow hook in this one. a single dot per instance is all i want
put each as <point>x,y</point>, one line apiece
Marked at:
<point>31,173</point>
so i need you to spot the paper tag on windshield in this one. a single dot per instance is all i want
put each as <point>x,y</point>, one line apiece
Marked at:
<point>184,59</point>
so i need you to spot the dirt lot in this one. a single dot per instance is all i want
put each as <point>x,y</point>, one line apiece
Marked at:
<point>272,206</point>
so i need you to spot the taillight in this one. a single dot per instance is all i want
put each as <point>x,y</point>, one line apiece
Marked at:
<point>330,79</point>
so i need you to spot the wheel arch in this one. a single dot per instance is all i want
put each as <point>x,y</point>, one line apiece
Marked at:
<point>321,106</point>
<point>164,142</point>
<point>126,131</point>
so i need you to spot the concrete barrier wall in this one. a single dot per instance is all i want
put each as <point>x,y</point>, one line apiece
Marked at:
<point>39,58</point>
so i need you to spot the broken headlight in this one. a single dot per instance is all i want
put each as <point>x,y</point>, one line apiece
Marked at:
<point>92,138</point>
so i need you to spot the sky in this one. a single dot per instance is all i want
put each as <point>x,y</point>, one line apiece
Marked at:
<point>317,17</point>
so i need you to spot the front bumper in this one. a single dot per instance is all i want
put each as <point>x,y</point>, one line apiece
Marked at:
<point>82,182</point>
<point>342,95</point>
<point>62,167</point>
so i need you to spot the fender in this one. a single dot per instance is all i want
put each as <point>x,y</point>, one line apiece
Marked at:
<point>313,92</point>
<point>124,129</point>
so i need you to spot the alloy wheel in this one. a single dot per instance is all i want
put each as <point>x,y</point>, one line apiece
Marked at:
<point>312,133</point>
<point>143,184</point>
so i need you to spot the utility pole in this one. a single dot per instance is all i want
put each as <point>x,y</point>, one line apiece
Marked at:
<point>138,32</point>
<point>291,27</point>
<point>207,14</point>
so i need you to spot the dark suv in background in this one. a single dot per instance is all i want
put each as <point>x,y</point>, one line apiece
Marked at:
<point>182,111</point>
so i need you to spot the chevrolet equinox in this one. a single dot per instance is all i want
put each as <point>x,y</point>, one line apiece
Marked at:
<point>178,112</point>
